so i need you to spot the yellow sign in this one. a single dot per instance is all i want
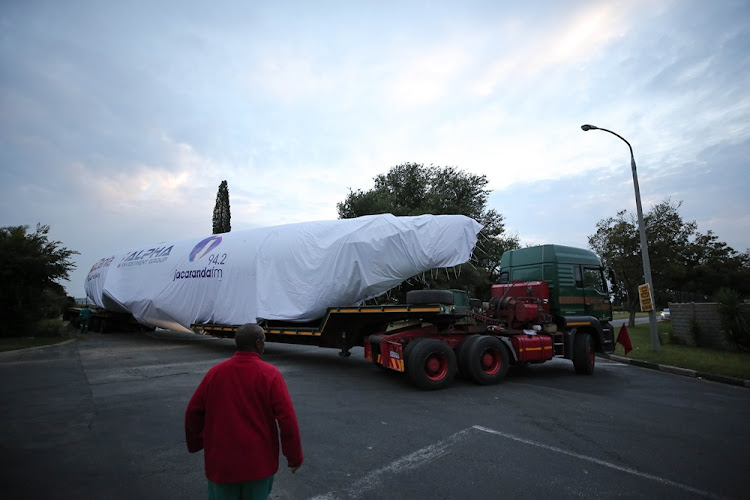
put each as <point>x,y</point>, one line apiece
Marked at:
<point>645,294</point>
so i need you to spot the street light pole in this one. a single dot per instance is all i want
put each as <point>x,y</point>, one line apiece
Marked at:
<point>655,343</point>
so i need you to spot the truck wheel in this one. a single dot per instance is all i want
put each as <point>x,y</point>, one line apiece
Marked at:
<point>462,355</point>
<point>408,347</point>
<point>431,364</point>
<point>583,354</point>
<point>430,297</point>
<point>487,360</point>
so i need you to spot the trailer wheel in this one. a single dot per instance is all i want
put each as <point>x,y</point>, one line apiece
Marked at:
<point>487,360</point>
<point>583,354</point>
<point>430,297</point>
<point>431,364</point>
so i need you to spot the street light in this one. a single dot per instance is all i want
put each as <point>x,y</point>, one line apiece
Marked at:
<point>655,343</point>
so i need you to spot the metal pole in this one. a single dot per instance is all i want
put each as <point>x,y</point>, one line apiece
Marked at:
<point>655,342</point>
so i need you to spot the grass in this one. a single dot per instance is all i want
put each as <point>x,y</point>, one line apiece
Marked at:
<point>15,343</point>
<point>42,333</point>
<point>701,359</point>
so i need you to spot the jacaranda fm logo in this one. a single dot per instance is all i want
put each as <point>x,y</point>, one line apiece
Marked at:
<point>204,246</point>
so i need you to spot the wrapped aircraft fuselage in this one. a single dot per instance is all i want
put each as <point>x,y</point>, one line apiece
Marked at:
<point>292,272</point>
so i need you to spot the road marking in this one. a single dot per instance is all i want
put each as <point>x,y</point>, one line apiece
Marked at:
<point>603,463</point>
<point>375,479</point>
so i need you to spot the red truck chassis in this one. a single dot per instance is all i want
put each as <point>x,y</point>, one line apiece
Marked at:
<point>441,333</point>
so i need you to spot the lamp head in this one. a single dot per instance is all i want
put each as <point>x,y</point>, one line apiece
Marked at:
<point>586,128</point>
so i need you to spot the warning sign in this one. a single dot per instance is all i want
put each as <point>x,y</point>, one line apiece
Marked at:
<point>646,300</point>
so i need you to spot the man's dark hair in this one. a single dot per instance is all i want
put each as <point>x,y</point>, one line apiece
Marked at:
<point>247,337</point>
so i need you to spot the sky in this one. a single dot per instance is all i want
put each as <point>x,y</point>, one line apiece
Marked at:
<point>119,120</point>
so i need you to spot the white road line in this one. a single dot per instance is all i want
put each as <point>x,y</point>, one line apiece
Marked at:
<point>374,480</point>
<point>603,463</point>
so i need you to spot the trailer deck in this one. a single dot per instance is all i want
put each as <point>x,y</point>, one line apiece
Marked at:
<point>341,327</point>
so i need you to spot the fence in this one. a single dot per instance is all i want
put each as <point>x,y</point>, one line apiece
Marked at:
<point>678,296</point>
<point>708,322</point>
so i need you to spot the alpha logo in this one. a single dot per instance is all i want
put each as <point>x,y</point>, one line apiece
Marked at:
<point>102,263</point>
<point>208,244</point>
<point>148,256</point>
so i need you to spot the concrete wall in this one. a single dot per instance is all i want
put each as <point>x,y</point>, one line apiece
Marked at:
<point>708,317</point>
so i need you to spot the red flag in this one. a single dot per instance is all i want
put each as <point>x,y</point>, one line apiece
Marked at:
<point>624,338</point>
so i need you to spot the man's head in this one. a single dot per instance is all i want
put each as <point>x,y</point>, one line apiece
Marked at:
<point>250,337</point>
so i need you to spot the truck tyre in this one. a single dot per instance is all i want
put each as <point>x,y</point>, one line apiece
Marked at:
<point>430,297</point>
<point>487,360</point>
<point>431,364</point>
<point>583,354</point>
<point>462,356</point>
<point>408,347</point>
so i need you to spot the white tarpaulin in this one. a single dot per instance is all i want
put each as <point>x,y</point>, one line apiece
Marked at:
<point>292,272</point>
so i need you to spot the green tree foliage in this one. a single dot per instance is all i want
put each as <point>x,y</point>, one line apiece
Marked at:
<point>413,189</point>
<point>616,242</point>
<point>222,216</point>
<point>29,288</point>
<point>712,265</point>
<point>682,259</point>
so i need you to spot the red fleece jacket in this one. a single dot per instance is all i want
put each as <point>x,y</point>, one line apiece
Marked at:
<point>233,414</point>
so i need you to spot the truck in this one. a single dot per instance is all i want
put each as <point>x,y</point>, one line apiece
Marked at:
<point>551,301</point>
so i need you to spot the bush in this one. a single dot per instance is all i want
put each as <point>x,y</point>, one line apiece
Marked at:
<point>735,318</point>
<point>50,328</point>
<point>29,278</point>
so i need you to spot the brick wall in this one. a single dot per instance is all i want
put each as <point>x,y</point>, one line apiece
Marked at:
<point>707,316</point>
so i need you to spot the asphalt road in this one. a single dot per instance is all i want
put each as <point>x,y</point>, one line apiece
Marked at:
<point>638,321</point>
<point>103,418</point>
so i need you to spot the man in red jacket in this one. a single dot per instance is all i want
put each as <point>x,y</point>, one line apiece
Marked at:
<point>233,415</point>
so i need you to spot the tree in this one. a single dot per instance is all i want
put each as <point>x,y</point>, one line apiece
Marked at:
<point>714,265</point>
<point>413,189</point>
<point>222,215</point>
<point>734,316</point>
<point>29,288</point>
<point>682,259</point>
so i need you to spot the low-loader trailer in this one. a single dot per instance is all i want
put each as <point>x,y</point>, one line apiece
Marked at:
<point>552,301</point>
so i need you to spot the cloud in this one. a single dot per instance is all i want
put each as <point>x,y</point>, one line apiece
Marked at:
<point>419,80</point>
<point>573,39</point>
<point>118,122</point>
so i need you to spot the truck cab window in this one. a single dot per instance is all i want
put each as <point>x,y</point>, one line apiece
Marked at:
<point>577,276</point>
<point>592,278</point>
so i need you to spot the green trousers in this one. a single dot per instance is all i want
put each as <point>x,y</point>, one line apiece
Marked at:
<point>259,489</point>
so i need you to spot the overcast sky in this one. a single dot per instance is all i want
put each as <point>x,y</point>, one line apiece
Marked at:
<point>119,120</point>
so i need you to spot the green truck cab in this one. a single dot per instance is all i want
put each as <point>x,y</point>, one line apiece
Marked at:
<point>578,292</point>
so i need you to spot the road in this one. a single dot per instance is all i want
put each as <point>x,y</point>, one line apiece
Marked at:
<point>617,323</point>
<point>103,418</point>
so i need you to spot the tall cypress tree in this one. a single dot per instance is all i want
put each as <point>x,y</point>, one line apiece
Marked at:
<point>221,210</point>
